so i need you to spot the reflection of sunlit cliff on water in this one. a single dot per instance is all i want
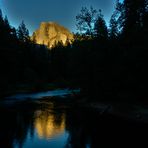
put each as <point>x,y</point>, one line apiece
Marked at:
<point>49,125</point>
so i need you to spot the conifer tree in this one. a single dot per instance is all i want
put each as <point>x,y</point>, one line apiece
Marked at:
<point>23,33</point>
<point>114,24</point>
<point>100,27</point>
<point>1,18</point>
<point>131,18</point>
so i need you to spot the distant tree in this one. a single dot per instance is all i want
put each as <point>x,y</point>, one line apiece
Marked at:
<point>7,27</point>
<point>14,36</point>
<point>14,32</point>
<point>23,33</point>
<point>34,38</point>
<point>43,43</point>
<point>68,43</point>
<point>5,30</point>
<point>100,27</point>
<point>1,18</point>
<point>113,32</point>
<point>114,24</point>
<point>131,19</point>
<point>85,20</point>
<point>1,25</point>
<point>6,22</point>
<point>48,45</point>
<point>59,44</point>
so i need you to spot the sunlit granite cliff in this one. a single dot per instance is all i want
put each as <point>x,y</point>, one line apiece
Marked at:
<point>50,33</point>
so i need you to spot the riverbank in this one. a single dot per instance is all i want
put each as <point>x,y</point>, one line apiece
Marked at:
<point>123,110</point>
<point>127,111</point>
<point>29,88</point>
<point>131,111</point>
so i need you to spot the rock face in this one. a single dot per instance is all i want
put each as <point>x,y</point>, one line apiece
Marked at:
<point>50,33</point>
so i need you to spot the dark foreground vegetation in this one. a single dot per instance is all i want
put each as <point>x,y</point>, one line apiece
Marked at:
<point>105,62</point>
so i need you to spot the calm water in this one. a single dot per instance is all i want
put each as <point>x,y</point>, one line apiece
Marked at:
<point>46,124</point>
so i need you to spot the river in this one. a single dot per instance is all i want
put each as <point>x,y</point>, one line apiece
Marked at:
<point>44,123</point>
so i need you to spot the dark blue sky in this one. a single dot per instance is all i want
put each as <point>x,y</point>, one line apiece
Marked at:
<point>61,11</point>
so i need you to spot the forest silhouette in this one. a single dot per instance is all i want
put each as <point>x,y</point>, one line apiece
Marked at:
<point>106,62</point>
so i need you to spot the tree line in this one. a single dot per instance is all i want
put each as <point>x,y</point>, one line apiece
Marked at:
<point>21,60</point>
<point>108,62</point>
<point>104,61</point>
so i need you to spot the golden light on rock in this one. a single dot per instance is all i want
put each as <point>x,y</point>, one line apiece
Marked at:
<point>49,125</point>
<point>50,33</point>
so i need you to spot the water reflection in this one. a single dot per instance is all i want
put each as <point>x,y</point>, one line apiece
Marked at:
<point>49,125</point>
<point>31,125</point>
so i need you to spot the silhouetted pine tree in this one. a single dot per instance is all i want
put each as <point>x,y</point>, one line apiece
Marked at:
<point>100,27</point>
<point>131,18</point>
<point>5,30</point>
<point>34,38</point>
<point>23,33</point>
<point>1,26</point>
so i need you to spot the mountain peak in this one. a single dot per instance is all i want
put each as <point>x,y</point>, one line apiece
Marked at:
<point>50,33</point>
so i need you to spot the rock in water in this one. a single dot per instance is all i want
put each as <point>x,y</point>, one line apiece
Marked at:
<point>50,33</point>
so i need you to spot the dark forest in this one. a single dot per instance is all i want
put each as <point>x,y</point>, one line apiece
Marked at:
<point>106,62</point>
